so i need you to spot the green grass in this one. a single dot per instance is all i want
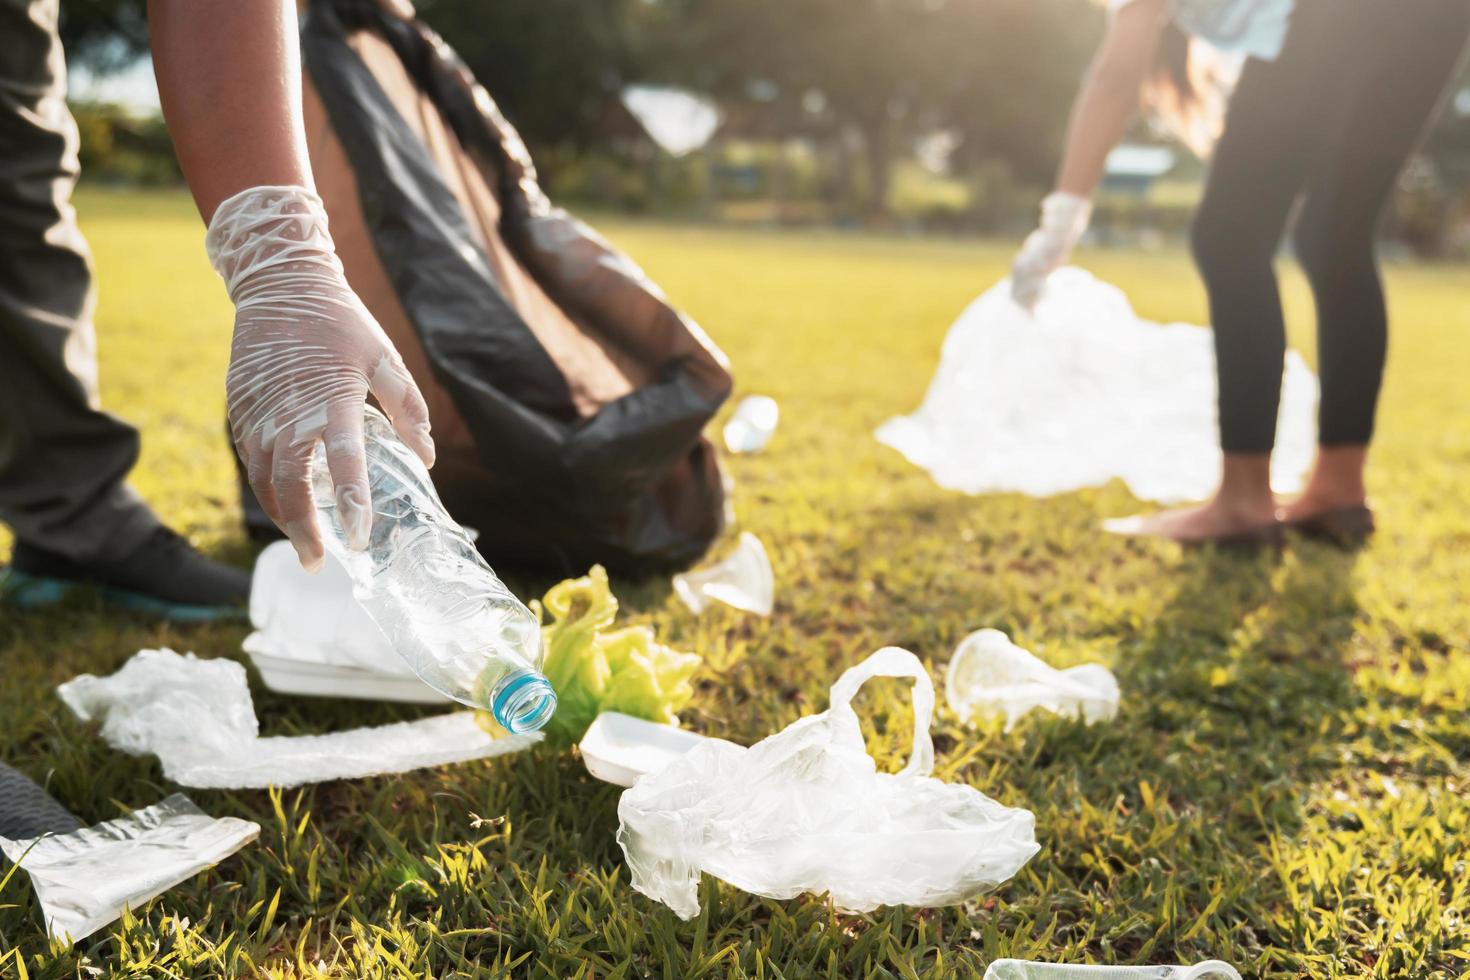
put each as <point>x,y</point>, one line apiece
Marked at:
<point>1286,787</point>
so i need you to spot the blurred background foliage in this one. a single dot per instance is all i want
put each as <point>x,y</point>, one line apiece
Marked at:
<point>928,115</point>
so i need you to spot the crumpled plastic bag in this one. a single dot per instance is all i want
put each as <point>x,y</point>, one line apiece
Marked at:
<point>752,424</point>
<point>198,717</point>
<point>594,668</point>
<point>990,676</point>
<point>1028,970</point>
<point>743,580</point>
<point>84,879</point>
<point>1082,393</point>
<point>806,810</point>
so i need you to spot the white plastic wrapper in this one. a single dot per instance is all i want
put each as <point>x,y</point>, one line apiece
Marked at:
<point>1027,970</point>
<point>679,121</point>
<point>313,637</point>
<point>197,716</point>
<point>752,425</point>
<point>743,581</point>
<point>86,878</point>
<point>989,676</point>
<point>1082,393</point>
<point>806,810</point>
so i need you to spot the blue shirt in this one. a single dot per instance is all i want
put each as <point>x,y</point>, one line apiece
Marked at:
<point>1256,28</point>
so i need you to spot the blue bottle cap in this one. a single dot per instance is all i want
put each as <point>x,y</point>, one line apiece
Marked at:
<point>523,702</point>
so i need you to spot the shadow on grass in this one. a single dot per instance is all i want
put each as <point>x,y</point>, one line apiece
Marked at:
<point>1257,644</point>
<point>1243,678</point>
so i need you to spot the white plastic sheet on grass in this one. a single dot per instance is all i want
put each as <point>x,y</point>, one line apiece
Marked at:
<point>743,580</point>
<point>1081,394</point>
<point>1029,970</point>
<point>198,717</point>
<point>806,810</point>
<point>86,878</point>
<point>989,676</point>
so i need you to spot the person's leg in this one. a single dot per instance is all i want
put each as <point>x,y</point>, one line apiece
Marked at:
<point>1273,133</point>
<point>62,461</point>
<point>1401,79</point>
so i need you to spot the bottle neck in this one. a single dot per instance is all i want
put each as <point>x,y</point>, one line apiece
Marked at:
<point>523,702</point>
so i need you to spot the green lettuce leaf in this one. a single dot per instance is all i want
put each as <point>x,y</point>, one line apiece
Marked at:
<point>595,669</point>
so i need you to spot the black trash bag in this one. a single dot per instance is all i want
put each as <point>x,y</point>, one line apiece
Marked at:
<point>568,397</point>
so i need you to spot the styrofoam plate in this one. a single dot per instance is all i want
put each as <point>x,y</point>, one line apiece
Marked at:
<point>286,676</point>
<point>619,748</point>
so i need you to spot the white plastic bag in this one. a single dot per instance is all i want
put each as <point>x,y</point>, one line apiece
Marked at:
<point>752,425</point>
<point>1082,393</point>
<point>1028,970</point>
<point>991,676</point>
<point>806,810</point>
<point>744,581</point>
<point>86,878</point>
<point>198,717</point>
<point>313,637</point>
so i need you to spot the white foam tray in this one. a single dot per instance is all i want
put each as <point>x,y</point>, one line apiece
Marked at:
<point>287,676</point>
<point>619,748</point>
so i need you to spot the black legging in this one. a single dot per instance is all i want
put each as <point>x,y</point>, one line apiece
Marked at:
<point>1330,124</point>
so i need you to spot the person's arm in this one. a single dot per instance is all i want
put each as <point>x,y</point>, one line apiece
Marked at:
<point>229,80</point>
<point>1110,94</point>
<point>1100,118</point>
<point>305,353</point>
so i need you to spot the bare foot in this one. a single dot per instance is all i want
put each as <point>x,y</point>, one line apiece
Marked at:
<point>1336,485</point>
<point>1220,520</point>
<point>1305,508</point>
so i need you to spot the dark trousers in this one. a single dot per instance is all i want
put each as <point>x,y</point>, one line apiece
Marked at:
<point>1325,128</point>
<point>62,460</point>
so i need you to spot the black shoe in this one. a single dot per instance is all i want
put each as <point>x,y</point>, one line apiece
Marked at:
<point>27,810</point>
<point>164,577</point>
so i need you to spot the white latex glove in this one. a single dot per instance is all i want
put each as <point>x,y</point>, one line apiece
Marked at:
<point>306,354</point>
<point>1064,219</point>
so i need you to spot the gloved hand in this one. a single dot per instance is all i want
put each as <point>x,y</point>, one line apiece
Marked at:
<point>306,353</point>
<point>1064,219</point>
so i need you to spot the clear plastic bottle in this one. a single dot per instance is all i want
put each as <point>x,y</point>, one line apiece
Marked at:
<point>421,580</point>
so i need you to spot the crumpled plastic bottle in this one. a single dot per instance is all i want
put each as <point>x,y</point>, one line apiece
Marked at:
<point>806,810</point>
<point>441,606</point>
<point>1028,970</point>
<point>752,425</point>
<point>990,676</point>
<point>743,580</point>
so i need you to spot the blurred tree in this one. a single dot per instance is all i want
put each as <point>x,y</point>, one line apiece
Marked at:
<point>1001,73</point>
<point>104,35</point>
<point>868,76</point>
<point>1016,66</point>
<point>863,65</point>
<point>556,67</point>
